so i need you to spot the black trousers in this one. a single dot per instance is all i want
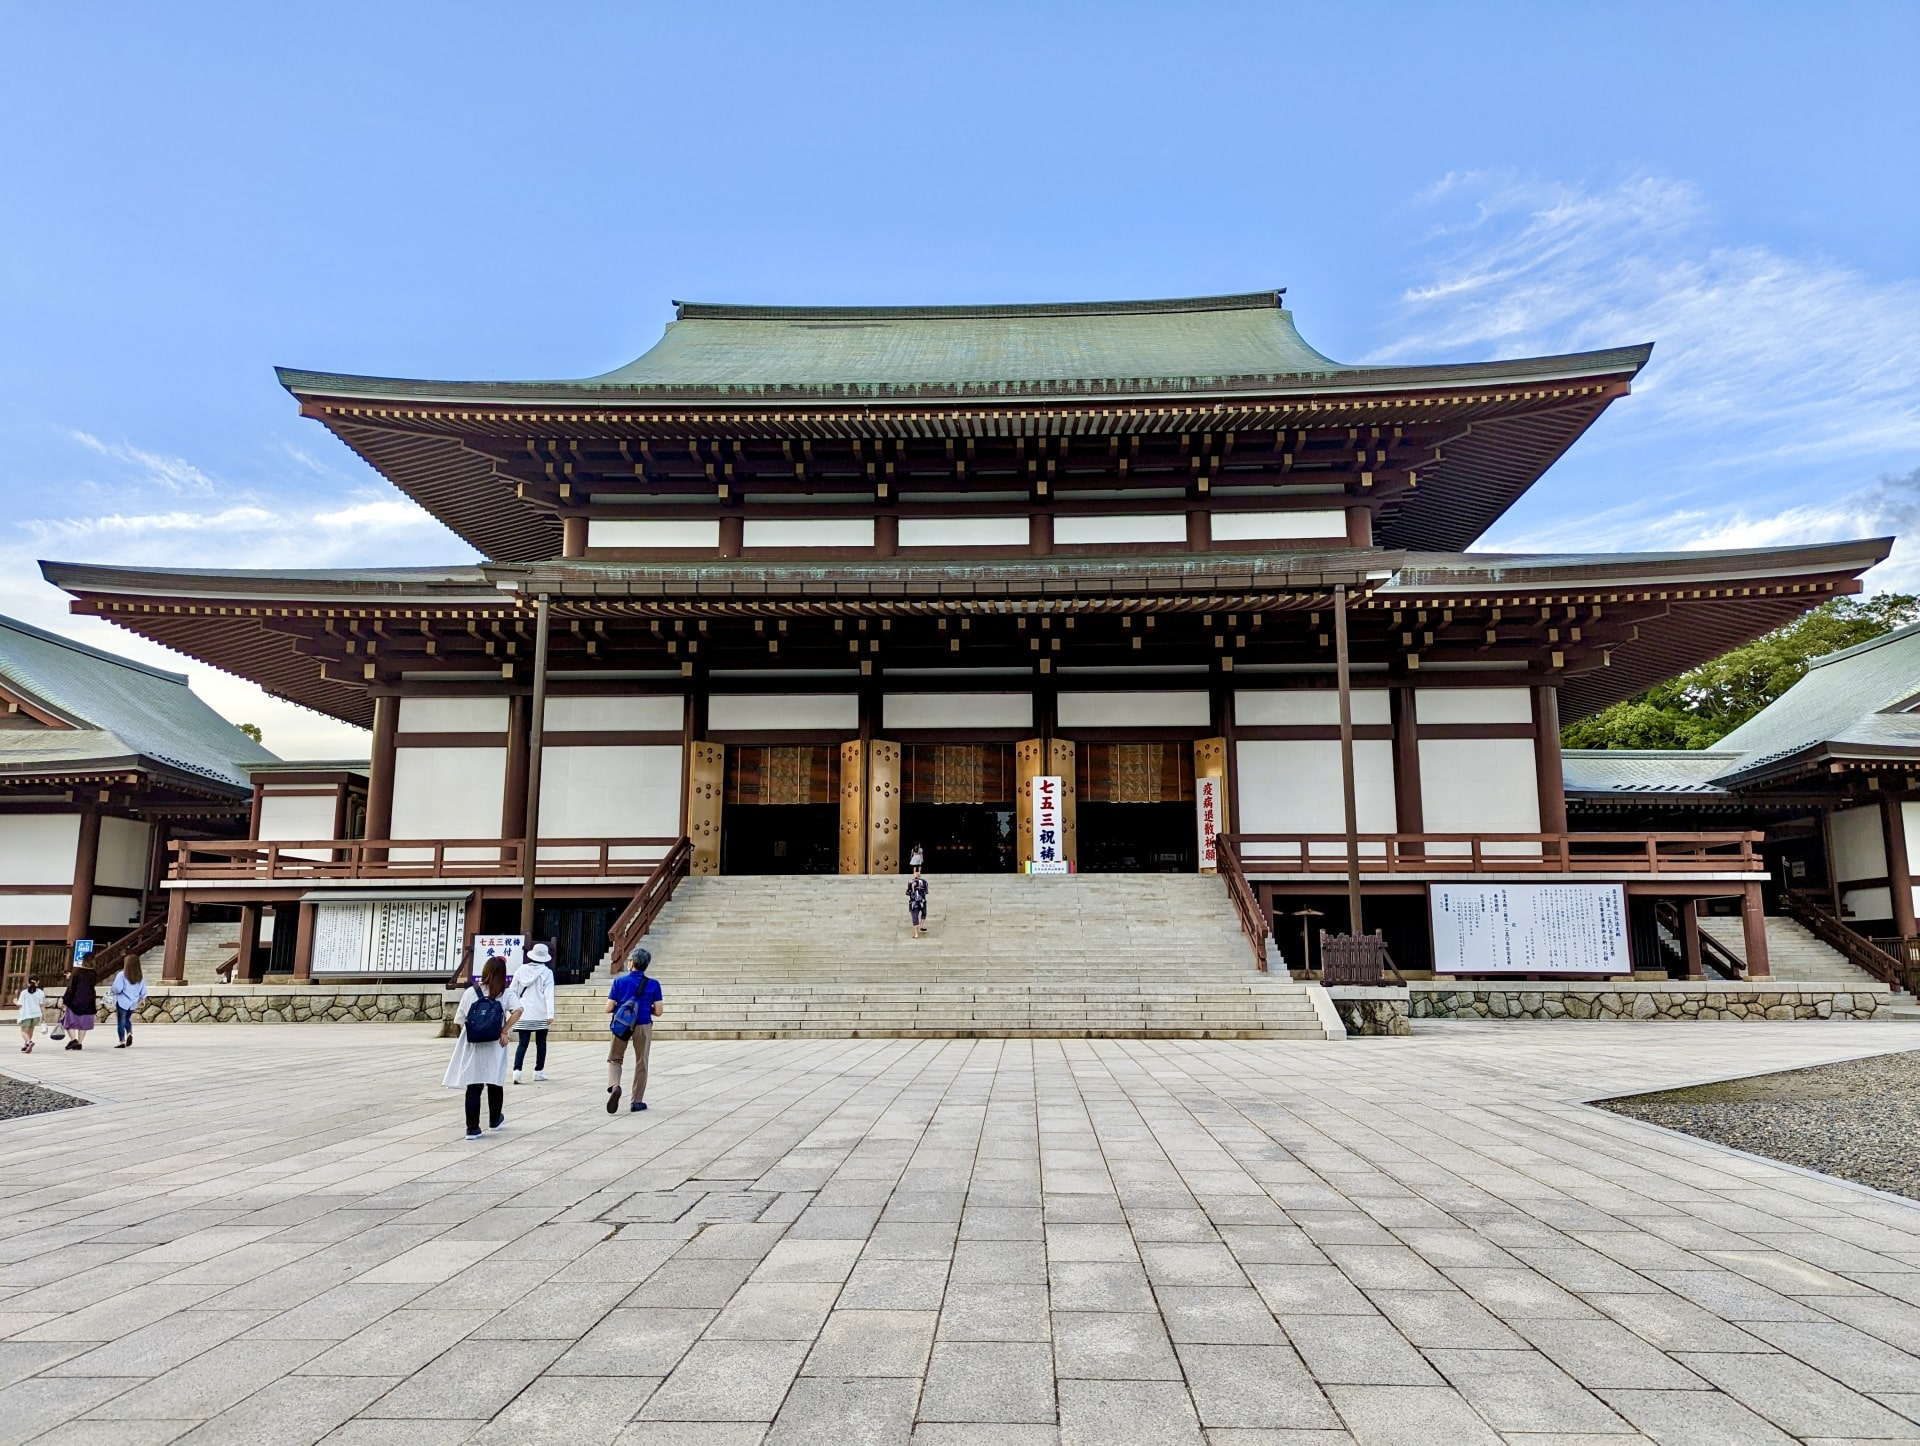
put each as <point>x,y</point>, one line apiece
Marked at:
<point>496,1106</point>
<point>539,1036</point>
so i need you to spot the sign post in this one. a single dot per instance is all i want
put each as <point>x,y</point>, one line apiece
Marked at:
<point>81,949</point>
<point>1049,846</point>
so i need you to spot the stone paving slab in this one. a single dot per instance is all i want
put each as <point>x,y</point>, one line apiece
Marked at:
<point>278,1234</point>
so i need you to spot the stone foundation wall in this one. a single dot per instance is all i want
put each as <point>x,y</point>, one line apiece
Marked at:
<point>293,1004</point>
<point>1371,1011</point>
<point>1448,999</point>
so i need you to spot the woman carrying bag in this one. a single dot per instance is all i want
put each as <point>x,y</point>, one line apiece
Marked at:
<point>79,1001</point>
<point>533,982</point>
<point>488,1011</point>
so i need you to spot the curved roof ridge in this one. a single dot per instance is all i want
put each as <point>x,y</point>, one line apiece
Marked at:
<point>729,311</point>
<point>88,650</point>
<point>1842,654</point>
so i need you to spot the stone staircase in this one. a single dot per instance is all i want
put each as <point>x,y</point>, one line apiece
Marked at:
<point>1005,955</point>
<point>1794,955</point>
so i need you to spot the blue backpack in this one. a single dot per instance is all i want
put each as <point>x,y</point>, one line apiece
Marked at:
<point>486,1021</point>
<point>626,1017</point>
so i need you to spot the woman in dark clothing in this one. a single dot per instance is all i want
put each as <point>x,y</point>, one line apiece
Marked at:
<point>78,1001</point>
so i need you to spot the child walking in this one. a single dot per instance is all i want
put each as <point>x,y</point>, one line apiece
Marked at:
<point>488,1011</point>
<point>33,1008</point>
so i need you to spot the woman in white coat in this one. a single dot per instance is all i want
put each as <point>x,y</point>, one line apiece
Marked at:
<point>533,981</point>
<point>488,1011</point>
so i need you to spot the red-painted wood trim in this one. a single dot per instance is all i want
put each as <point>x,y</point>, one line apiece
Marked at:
<point>449,740</point>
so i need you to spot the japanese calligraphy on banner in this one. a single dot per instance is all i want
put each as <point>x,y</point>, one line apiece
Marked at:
<point>508,948</point>
<point>1530,929</point>
<point>1049,848</point>
<point>1206,803</point>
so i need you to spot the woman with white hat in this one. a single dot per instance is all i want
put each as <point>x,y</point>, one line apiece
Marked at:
<point>534,982</point>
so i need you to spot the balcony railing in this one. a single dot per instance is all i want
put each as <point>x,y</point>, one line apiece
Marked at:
<point>387,861</point>
<point>1503,853</point>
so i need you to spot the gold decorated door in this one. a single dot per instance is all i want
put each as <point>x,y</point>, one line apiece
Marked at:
<point>706,780</point>
<point>853,807</point>
<point>883,807</point>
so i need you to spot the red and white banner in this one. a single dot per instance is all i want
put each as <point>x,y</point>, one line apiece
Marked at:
<point>1206,802</point>
<point>1049,841</point>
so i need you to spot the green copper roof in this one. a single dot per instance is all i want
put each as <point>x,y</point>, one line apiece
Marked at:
<point>1202,344</point>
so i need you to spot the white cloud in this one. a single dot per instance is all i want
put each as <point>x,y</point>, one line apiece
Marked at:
<point>1768,357</point>
<point>176,474</point>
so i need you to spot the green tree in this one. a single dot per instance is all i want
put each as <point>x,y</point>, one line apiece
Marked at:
<point>252,730</point>
<point>1699,708</point>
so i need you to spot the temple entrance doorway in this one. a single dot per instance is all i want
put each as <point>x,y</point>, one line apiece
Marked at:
<point>780,810</point>
<point>957,803</point>
<point>1136,808</point>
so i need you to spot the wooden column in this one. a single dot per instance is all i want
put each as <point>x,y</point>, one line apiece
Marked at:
<point>1546,759</point>
<point>249,941</point>
<point>886,535</point>
<point>1199,531</point>
<point>1753,927</point>
<point>303,944</point>
<point>386,723</point>
<point>733,533</point>
<point>173,957</point>
<point>1893,830</point>
<point>1040,533</point>
<point>1690,927</point>
<point>536,737</point>
<point>1344,679</point>
<point>1359,527</point>
<point>1409,807</point>
<point>573,535</point>
<point>86,861</point>
<point>513,803</point>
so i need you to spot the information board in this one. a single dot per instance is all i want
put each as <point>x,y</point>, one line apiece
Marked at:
<point>1529,929</point>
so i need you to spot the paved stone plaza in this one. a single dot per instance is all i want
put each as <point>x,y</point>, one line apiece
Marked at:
<point>277,1234</point>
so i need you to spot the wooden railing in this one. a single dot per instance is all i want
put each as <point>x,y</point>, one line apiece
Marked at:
<point>1253,919</point>
<point>1859,950</point>
<point>1504,853</point>
<point>150,934</point>
<point>386,861</point>
<point>1355,959</point>
<point>1713,954</point>
<point>648,900</point>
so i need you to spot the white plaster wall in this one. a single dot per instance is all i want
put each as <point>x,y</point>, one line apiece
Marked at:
<point>38,848</point>
<point>1910,825</point>
<point>653,532</point>
<point>453,715</point>
<point>111,911</point>
<point>1859,847</point>
<point>957,710</point>
<point>808,532</point>
<point>122,860</point>
<point>35,909</point>
<point>1867,905</point>
<point>1294,787</point>
<point>609,792</point>
<point>1131,710</point>
<point>1264,526</point>
<point>1473,705</point>
<point>963,532</point>
<point>448,792</point>
<point>1307,707</point>
<point>646,713</point>
<point>1122,527</point>
<point>1479,785</point>
<point>299,816</point>
<point>754,711</point>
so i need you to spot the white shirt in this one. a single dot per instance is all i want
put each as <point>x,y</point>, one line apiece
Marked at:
<point>484,1063</point>
<point>534,984</point>
<point>33,1004</point>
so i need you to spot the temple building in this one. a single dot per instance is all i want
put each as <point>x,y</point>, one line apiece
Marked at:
<point>105,763</point>
<point>805,587</point>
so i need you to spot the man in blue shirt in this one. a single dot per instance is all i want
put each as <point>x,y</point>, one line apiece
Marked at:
<point>643,994</point>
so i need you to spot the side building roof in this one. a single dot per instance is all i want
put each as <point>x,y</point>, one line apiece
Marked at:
<point>109,711</point>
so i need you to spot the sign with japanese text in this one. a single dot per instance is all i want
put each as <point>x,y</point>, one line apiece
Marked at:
<point>1530,929</point>
<point>502,946</point>
<point>1206,803</point>
<point>1049,843</point>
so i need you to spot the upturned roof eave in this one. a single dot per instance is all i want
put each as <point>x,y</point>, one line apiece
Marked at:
<point>1345,381</point>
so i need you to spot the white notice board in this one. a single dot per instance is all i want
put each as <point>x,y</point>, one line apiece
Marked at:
<point>1529,929</point>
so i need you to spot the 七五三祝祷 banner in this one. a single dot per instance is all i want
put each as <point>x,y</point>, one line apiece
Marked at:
<point>1529,929</point>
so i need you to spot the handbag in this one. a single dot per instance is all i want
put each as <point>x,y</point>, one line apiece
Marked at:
<point>59,1031</point>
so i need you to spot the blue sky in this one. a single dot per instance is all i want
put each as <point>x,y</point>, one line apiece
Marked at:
<point>196,192</point>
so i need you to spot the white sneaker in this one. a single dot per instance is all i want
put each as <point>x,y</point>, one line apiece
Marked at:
<point>540,1074</point>
<point>516,1076</point>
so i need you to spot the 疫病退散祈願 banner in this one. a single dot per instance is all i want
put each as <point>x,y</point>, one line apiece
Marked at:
<point>1529,929</point>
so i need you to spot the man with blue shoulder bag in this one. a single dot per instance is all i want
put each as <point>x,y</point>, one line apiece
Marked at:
<point>633,1003</point>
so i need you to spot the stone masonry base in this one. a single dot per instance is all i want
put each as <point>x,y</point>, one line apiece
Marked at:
<point>293,1003</point>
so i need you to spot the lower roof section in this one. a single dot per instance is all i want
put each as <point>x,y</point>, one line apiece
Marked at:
<point>1598,627</point>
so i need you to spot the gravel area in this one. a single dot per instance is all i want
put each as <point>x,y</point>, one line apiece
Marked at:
<point>18,1098</point>
<point>1858,1119</point>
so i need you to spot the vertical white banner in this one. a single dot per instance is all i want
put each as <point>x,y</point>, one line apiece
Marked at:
<point>1049,851</point>
<point>1206,803</point>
